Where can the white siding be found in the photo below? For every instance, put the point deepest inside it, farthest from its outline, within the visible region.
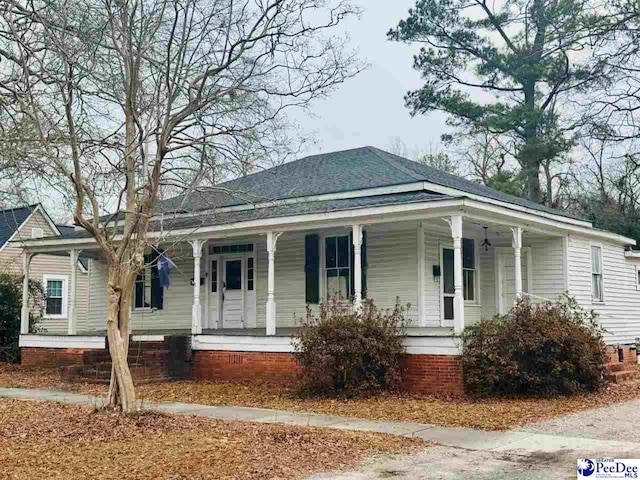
(11, 261)
(620, 312)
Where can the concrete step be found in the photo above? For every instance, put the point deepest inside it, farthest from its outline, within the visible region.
(616, 367)
(621, 376)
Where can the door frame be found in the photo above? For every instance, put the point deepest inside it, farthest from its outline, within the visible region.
(498, 265)
(243, 284)
(218, 323)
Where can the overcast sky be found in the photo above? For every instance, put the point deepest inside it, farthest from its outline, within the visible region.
(369, 109)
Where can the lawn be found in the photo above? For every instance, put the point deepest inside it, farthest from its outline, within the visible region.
(490, 414)
(51, 440)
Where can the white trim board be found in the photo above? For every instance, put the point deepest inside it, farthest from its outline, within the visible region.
(436, 345)
(63, 341)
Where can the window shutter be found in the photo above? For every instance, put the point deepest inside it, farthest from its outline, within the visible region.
(312, 267)
(157, 292)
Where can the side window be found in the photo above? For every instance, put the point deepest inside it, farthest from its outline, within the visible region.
(56, 296)
(214, 276)
(250, 273)
(468, 268)
(149, 292)
(597, 290)
(338, 266)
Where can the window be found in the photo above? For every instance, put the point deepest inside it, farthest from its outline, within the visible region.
(237, 248)
(214, 276)
(638, 277)
(149, 293)
(468, 269)
(56, 296)
(37, 232)
(597, 290)
(250, 273)
(448, 289)
(337, 266)
(233, 274)
(143, 288)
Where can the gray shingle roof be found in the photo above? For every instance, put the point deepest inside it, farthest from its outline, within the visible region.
(347, 170)
(11, 219)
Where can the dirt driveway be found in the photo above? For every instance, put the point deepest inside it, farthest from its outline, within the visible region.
(617, 423)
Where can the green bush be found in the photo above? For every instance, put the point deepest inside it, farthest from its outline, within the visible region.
(347, 353)
(553, 348)
(10, 308)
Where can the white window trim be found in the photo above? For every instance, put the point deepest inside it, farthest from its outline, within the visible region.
(637, 278)
(477, 287)
(65, 293)
(323, 263)
(133, 303)
(598, 245)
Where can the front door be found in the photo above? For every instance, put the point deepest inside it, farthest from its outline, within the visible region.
(232, 293)
(506, 280)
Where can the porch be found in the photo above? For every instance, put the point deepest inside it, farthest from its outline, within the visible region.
(450, 272)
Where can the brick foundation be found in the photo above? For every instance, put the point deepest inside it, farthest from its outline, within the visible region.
(243, 366)
(54, 357)
(427, 374)
(433, 374)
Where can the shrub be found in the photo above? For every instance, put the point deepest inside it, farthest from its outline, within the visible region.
(347, 353)
(551, 348)
(10, 307)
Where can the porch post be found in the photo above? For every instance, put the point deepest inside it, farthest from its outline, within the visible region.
(458, 299)
(24, 317)
(422, 276)
(357, 266)
(272, 239)
(71, 322)
(516, 243)
(196, 311)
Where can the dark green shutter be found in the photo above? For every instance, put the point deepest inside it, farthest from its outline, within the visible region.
(364, 264)
(157, 292)
(312, 267)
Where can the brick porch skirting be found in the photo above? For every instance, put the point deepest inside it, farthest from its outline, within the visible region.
(55, 357)
(427, 374)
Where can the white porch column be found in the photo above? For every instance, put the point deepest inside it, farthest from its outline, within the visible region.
(196, 310)
(422, 276)
(24, 316)
(458, 300)
(516, 243)
(71, 322)
(357, 266)
(272, 239)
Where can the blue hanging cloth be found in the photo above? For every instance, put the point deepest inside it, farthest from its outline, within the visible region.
(165, 265)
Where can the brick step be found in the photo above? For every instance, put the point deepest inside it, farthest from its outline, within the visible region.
(616, 367)
(621, 376)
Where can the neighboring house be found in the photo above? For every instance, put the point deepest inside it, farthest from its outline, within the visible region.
(253, 253)
(53, 271)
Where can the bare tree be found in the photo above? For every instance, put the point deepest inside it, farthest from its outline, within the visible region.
(127, 96)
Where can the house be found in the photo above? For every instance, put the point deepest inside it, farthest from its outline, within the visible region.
(251, 254)
(53, 271)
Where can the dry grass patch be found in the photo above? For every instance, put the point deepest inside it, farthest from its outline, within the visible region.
(51, 440)
(489, 414)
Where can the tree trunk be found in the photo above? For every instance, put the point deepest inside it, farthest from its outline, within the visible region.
(121, 390)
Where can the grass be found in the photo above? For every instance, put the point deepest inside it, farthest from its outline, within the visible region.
(55, 441)
(486, 414)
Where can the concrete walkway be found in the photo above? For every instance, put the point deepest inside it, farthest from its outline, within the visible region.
(522, 442)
